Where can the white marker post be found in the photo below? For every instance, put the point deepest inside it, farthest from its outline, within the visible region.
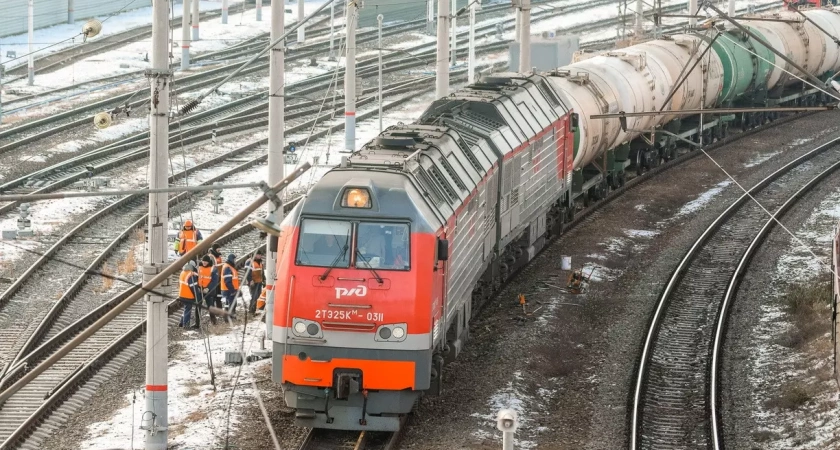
(442, 80)
(154, 419)
(332, 32)
(224, 12)
(276, 160)
(259, 10)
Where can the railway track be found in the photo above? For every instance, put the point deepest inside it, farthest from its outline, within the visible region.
(242, 49)
(23, 413)
(322, 439)
(675, 399)
(65, 121)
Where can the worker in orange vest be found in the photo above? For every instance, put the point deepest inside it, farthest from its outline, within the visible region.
(230, 281)
(256, 280)
(261, 301)
(188, 238)
(188, 293)
(216, 254)
(208, 281)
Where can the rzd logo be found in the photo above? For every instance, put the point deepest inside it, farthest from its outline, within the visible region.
(358, 291)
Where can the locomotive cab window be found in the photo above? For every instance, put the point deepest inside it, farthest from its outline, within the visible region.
(324, 243)
(382, 246)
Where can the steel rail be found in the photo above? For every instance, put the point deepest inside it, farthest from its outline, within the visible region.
(678, 274)
(68, 332)
(732, 290)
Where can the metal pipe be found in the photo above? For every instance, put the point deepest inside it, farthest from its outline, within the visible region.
(430, 17)
(350, 80)
(201, 248)
(332, 32)
(471, 57)
(155, 417)
(379, 95)
(692, 9)
(442, 80)
(525, 37)
(31, 63)
(258, 5)
(638, 28)
(276, 159)
(195, 16)
(517, 26)
(63, 195)
(454, 33)
(689, 112)
(302, 30)
(185, 36)
(224, 12)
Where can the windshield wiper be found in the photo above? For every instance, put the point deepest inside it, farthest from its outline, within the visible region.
(376, 275)
(337, 258)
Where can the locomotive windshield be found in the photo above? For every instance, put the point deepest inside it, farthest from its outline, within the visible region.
(327, 243)
(324, 243)
(382, 246)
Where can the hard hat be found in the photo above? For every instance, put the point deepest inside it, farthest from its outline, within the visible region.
(188, 223)
(189, 266)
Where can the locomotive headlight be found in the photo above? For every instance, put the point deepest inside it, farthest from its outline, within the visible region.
(306, 328)
(394, 332)
(300, 328)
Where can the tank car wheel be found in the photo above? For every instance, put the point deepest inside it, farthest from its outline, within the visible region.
(622, 179)
(570, 212)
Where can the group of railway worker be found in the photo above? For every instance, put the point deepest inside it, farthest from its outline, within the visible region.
(214, 280)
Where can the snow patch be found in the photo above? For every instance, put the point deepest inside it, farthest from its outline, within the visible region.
(760, 159)
(704, 198)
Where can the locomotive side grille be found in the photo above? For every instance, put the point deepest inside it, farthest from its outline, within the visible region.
(481, 120)
(469, 144)
(428, 186)
(548, 93)
(443, 184)
(448, 168)
(516, 177)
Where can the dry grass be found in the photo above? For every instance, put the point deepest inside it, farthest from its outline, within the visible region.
(107, 280)
(792, 395)
(129, 263)
(809, 310)
(195, 416)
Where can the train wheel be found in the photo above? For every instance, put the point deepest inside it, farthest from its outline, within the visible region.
(570, 212)
(622, 178)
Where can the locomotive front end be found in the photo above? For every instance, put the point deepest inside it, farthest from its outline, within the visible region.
(353, 317)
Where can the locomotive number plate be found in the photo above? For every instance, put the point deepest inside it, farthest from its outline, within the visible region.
(336, 314)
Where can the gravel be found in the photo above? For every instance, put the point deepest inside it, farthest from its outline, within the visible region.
(567, 366)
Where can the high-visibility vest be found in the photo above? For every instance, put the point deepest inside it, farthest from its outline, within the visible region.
(205, 276)
(218, 264)
(188, 240)
(231, 279)
(256, 272)
(187, 285)
(261, 300)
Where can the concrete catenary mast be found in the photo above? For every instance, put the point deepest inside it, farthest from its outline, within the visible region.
(442, 80)
(302, 29)
(185, 36)
(276, 126)
(31, 70)
(350, 79)
(525, 36)
(195, 16)
(155, 417)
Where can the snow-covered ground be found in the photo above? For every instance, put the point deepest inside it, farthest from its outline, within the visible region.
(58, 37)
(198, 411)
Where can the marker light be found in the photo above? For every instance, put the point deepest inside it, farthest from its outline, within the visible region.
(356, 198)
(300, 327)
(398, 332)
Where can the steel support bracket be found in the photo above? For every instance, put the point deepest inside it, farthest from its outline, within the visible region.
(157, 73)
